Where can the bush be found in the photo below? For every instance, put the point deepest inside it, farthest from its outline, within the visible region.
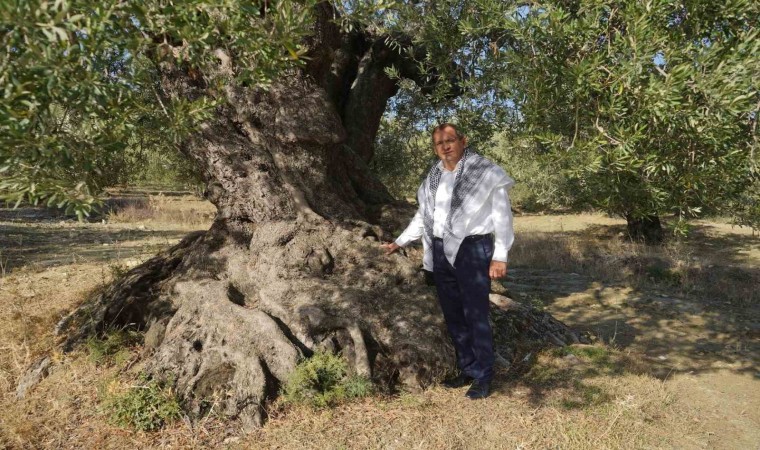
(745, 210)
(323, 380)
(146, 406)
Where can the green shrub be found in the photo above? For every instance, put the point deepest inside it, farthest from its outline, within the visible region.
(323, 380)
(356, 386)
(663, 275)
(601, 357)
(146, 406)
(113, 346)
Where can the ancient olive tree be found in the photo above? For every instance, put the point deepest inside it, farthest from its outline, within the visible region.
(278, 104)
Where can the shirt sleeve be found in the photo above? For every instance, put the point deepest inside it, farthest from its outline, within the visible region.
(413, 231)
(501, 215)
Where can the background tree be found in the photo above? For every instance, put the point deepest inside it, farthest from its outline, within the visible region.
(650, 106)
(645, 109)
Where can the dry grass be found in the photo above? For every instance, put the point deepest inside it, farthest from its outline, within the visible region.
(184, 211)
(589, 397)
(32, 310)
(728, 268)
(67, 410)
(635, 411)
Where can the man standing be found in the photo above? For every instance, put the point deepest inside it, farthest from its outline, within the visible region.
(465, 222)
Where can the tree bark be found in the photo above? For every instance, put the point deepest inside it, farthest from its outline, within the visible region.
(292, 261)
(647, 229)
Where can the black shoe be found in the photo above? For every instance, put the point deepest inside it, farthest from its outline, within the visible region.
(458, 381)
(478, 390)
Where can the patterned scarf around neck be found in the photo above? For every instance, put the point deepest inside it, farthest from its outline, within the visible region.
(475, 179)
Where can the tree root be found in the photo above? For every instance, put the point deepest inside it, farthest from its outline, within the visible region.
(229, 313)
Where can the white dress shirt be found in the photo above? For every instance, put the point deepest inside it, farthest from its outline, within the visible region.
(495, 216)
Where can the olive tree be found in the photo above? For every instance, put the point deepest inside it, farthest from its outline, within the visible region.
(650, 106)
(278, 105)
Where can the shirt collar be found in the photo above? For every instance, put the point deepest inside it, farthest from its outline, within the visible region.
(443, 169)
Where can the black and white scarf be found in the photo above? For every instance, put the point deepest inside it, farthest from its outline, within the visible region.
(475, 180)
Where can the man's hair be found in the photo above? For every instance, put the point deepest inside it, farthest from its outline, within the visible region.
(444, 125)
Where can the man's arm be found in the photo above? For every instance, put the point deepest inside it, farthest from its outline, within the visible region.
(501, 215)
(412, 233)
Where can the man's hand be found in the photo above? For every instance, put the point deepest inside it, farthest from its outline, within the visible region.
(498, 269)
(390, 248)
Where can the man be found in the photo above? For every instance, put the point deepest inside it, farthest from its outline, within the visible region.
(465, 221)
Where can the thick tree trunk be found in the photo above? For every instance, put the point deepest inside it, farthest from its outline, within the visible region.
(292, 262)
(647, 229)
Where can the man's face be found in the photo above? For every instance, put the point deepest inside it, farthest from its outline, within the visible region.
(448, 146)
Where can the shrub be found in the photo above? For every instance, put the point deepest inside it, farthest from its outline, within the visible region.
(323, 380)
(146, 406)
(745, 210)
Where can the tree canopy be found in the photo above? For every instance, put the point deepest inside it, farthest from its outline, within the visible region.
(652, 104)
(649, 107)
(80, 82)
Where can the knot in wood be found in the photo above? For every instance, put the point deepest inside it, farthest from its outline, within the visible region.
(320, 261)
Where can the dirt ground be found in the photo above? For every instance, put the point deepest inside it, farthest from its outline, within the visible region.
(674, 363)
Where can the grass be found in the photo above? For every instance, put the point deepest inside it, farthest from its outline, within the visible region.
(594, 396)
(323, 380)
(597, 355)
(113, 347)
(185, 211)
(682, 266)
(513, 417)
(146, 405)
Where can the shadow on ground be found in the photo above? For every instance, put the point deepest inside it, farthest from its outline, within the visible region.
(54, 245)
(683, 310)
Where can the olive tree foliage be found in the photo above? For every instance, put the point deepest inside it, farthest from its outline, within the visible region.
(403, 148)
(650, 105)
(462, 63)
(82, 98)
(80, 85)
(541, 182)
(647, 108)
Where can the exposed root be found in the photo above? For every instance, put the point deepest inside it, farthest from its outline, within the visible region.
(130, 300)
(229, 313)
(521, 330)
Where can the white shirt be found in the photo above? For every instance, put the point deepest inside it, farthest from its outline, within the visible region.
(495, 216)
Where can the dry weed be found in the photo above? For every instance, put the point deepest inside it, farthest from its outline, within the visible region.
(598, 398)
(180, 211)
(685, 267)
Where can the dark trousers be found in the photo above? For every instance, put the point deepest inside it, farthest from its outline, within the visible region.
(463, 294)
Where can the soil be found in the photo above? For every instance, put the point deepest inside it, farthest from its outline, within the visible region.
(705, 350)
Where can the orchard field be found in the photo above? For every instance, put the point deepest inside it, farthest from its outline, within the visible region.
(673, 360)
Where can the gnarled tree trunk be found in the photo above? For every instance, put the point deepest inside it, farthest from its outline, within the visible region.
(647, 229)
(292, 261)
